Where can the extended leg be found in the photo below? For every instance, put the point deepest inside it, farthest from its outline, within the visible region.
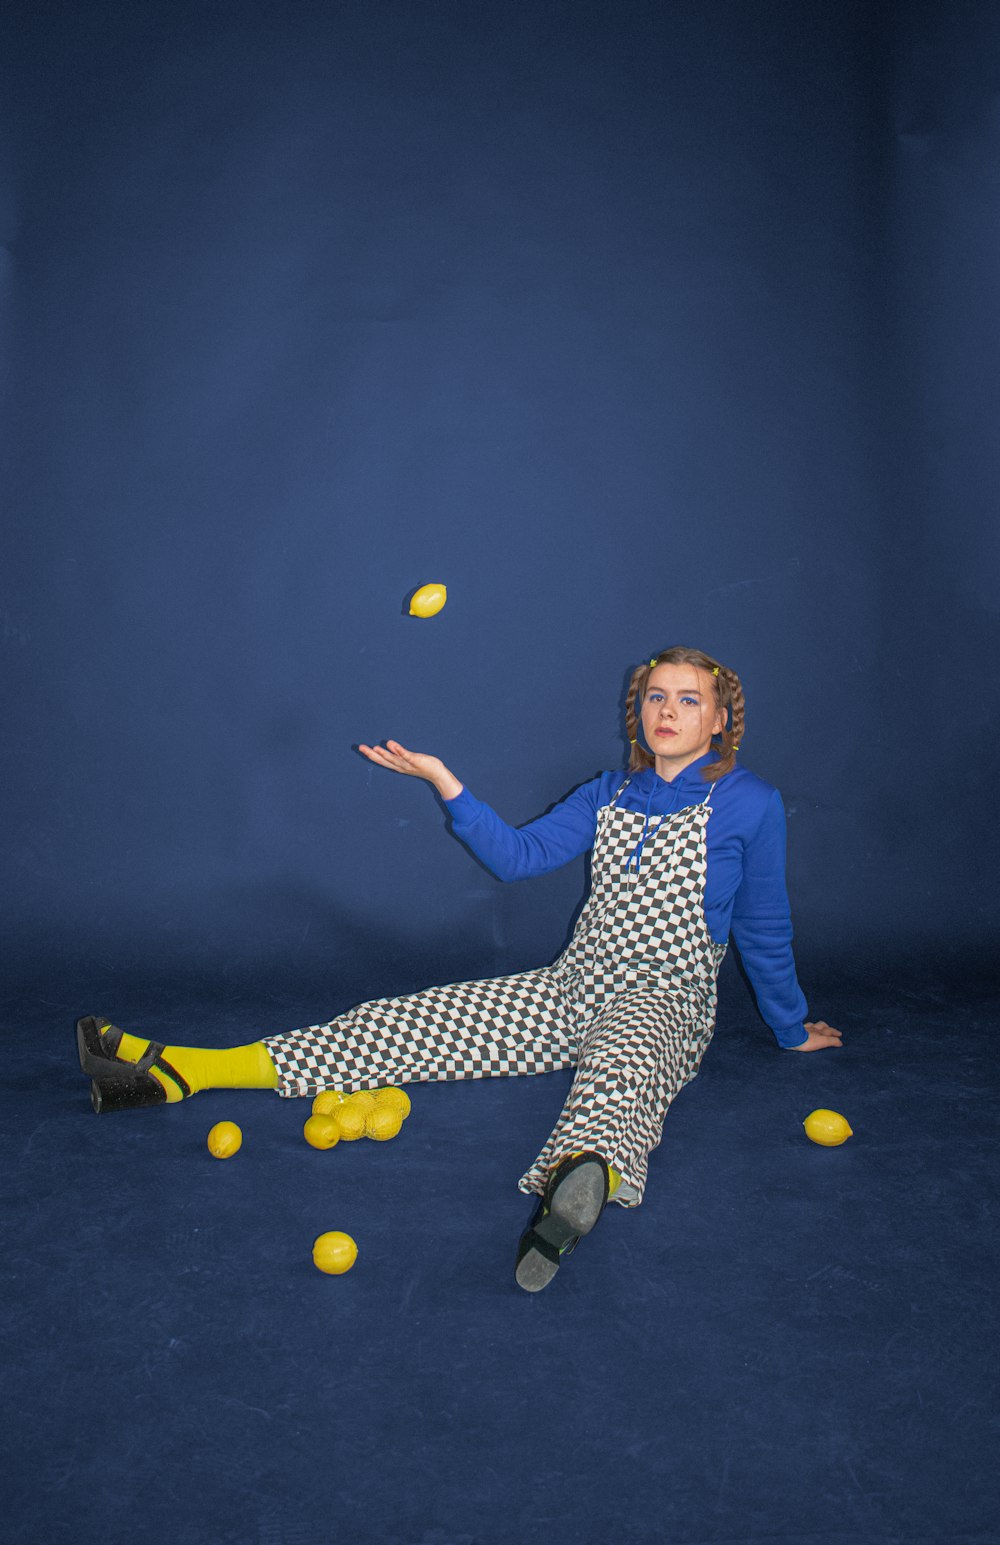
(480, 1029)
(497, 1026)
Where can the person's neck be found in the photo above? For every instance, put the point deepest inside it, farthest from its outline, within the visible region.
(669, 767)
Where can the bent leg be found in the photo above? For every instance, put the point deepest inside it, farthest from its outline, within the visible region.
(637, 1053)
(498, 1026)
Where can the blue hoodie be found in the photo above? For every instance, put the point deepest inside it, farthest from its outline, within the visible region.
(745, 892)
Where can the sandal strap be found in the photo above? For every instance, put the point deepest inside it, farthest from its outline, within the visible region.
(163, 1066)
(149, 1058)
(153, 1057)
(111, 1038)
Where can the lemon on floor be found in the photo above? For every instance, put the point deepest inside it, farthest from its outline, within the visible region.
(328, 1103)
(351, 1120)
(322, 1132)
(828, 1128)
(396, 1099)
(224, 1140)
(383, 1123)
(334, 1253)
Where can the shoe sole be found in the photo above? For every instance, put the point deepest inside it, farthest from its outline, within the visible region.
(535, 1271)
(574, 1207)
(576, 1204)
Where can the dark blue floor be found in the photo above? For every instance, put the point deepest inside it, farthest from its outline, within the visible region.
(783, 1344)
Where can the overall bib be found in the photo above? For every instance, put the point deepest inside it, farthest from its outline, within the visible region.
(630, 1004)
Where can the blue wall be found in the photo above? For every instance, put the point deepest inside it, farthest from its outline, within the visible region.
(635, 324)
(940, 471)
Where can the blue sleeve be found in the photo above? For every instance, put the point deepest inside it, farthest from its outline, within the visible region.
(516, 853)
(762, 928)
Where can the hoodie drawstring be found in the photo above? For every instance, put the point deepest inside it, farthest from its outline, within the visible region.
(636, 852)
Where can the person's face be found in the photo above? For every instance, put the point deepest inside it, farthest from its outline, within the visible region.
(679, 715)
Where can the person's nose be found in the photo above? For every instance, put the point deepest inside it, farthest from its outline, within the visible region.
(666, 709)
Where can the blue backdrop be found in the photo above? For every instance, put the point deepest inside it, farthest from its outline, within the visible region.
(636, 325)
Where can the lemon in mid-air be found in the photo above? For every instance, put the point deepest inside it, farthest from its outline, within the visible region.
(428, 600)
(334, 1253)
(224, 1140)
(827, 1128)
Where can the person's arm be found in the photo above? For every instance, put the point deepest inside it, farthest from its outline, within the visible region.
(512, 853)
(762, 930)
(518, 852)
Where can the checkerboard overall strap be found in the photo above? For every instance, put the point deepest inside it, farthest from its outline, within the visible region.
(613, 802)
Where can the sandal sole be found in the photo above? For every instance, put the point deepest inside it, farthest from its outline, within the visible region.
(574, 1205)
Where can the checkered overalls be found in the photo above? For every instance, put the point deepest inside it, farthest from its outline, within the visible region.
(630, 1003)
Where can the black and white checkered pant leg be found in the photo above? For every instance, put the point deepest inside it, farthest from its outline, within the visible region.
(683, 1042)
(635, 1055)
(481, 1029)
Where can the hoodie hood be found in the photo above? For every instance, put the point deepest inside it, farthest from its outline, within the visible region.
(649, 782)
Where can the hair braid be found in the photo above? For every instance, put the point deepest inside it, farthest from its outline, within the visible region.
(639, 757)
(730, 695)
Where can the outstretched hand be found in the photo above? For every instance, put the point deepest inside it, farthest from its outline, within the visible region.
(819, 1035)
(415, 764)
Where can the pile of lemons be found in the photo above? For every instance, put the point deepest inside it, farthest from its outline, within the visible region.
(374, 1113)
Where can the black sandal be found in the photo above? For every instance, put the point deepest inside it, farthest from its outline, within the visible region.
(116, 1084)
(573, 1200)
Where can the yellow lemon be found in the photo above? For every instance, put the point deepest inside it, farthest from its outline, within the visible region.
(351, 1121)
(364, 1101)
(224, 1140)
(428, 600)
(334, 1253)
(328, 1103)
(382, 1123)
(322, 1131)
(827, 1128)
(395, 1099)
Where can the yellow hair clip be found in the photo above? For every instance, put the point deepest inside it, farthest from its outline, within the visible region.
(654, 659)
(715, 670)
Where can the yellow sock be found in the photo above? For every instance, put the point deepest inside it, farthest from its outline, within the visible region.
(242, 1067)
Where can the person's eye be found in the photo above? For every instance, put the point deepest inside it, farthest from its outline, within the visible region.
(693, 700)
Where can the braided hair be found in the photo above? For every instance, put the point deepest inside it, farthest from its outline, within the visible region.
(728, 699)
